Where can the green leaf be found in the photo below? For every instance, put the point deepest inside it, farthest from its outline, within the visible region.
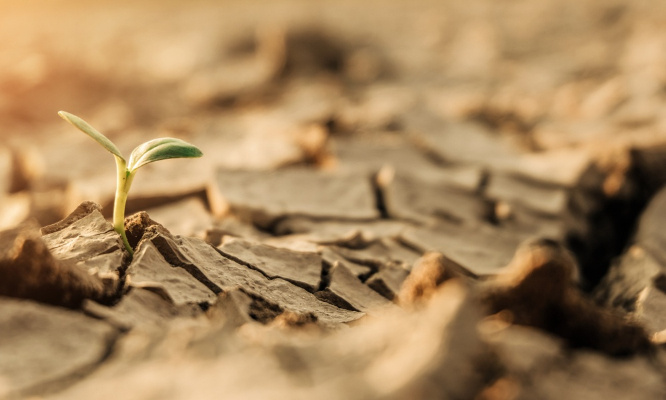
(161, 149)
(92, 132)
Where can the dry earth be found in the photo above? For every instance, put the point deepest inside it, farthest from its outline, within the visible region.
(398, 200)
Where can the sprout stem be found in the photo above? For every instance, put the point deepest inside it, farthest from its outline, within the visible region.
(151, 151)
(123, 184)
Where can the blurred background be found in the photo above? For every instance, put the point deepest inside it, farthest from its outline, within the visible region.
(464, 127)
(260, 85)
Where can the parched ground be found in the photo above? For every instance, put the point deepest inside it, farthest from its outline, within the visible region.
(397, 200)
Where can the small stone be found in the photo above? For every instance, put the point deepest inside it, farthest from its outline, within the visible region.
(428, 272)
(136, 226)
(300, 268)
(43, 345)
(347, 291)
(150, 270)
(539, 275)
(264, 198)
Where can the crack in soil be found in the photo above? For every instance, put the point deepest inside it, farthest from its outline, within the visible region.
(250, 266)
(170, 255)
(611, 229)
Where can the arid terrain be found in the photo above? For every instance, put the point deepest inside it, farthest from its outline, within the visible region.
(397, 200)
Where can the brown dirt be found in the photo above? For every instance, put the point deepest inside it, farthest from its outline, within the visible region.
(429, 199)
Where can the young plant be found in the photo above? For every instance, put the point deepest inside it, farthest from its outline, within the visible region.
(151, 151)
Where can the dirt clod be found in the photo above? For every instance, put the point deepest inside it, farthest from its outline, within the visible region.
(136, 226)
(537, 289)
(428, 273)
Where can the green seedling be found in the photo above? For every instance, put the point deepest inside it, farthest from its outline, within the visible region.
(151, 151)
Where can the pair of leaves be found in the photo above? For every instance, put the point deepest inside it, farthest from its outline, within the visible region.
(151, 151)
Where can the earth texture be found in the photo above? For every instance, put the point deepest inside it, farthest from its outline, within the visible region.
(397, 200)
